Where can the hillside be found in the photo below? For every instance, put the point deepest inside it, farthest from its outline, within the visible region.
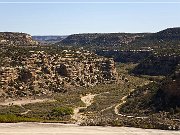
(157, 65)
(17, 39)
(31, 72)
(128, 47)
(168, 34)
(166, 38)
(158, 100)
(169, 93)
(101, 39)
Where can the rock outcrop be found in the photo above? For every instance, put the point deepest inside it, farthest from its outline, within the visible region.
(17, 39)
(43, 73)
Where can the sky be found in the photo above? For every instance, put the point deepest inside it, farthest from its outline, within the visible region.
(39, 17)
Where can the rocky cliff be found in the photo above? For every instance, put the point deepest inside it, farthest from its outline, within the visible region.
(20, 39)
(39, 72)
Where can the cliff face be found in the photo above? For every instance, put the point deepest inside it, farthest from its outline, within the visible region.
(42, 73)
(17, 39)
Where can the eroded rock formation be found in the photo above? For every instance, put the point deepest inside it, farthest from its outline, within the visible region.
(43, 73)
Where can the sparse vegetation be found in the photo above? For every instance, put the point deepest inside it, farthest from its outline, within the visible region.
(145, 94)
(11, 118)
(61, 111)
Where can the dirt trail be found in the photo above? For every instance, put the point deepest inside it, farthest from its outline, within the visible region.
(123, 101)
(87, 100)
(25, 101)
(120, 104)
(107, 108)
(26, 112)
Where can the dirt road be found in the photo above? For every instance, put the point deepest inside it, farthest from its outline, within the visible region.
(25, 101)
(63, 129)
(87, 100)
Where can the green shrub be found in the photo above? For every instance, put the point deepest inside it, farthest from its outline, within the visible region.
(62, 111)
(11, 118)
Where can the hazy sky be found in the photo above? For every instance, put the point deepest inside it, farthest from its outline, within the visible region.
(70, 18)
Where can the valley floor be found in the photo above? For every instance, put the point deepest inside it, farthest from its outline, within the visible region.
(68, 129)
(95, 106)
